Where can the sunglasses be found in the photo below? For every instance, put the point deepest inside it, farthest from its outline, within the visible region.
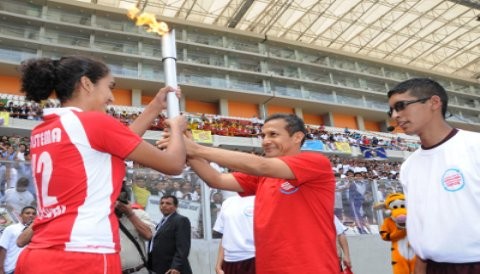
(401, 105)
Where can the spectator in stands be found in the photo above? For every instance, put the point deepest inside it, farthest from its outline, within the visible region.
(216, 205)
(161, 188)
(356, 192)
(236, 251)
(285, 180)
(177, 190)
(10, 154)
(188, 193)
(442, 175)
(17, 198)
(140, 190)
(81, 150)
(8, 176)
(345, 187)
(21, 154)
(9, 251)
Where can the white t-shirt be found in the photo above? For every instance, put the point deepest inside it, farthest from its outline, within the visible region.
(8, 241)
(339, 227)
(235, 222)
(442, 188)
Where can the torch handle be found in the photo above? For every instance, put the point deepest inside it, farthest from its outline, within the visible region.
(169, 59)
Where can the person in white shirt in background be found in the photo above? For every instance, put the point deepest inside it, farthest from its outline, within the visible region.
(17, 198)
(236, 251)
(9, 250)
(342, 245)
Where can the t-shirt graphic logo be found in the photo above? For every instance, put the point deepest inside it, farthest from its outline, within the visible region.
(248, 211)
(452, 180)
(287, 188)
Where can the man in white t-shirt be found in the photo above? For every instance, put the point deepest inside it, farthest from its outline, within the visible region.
(9, 250)
(236, 252)
(440, 180)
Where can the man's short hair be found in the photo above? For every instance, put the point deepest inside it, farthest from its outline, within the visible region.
(175, 200)
(27, 207)
(422, 88)
(23, 181)
(294, 123)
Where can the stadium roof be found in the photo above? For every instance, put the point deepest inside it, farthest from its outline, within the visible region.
(436, 35)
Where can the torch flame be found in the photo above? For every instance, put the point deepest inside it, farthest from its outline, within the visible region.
(148, 20)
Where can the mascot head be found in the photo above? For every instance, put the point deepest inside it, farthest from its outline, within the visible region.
(395, 207)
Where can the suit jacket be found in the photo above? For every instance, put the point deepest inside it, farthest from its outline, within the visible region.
(171, 246)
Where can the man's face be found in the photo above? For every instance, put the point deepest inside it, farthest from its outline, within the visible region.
(21, 187)
(167, 206)
(28, 215)
(277, 141)
(414, 117)
(161, 186)
(187, 187)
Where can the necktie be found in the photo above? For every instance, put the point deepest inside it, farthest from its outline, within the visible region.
(150, 243)
(163, 221)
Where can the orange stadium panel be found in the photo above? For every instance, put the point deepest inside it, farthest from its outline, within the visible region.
(372, 126)
(343, 120)
(123, 97)
(239, 109)
(146, 100)
(10, 85)
(312, 119)
(201, 107)
(279, 109)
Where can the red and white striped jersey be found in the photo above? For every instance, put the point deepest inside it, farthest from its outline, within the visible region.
(78, 166)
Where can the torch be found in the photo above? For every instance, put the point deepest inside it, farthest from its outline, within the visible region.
(169, 59)
(169, 51)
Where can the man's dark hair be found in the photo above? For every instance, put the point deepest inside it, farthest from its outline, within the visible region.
(294, 123)
(27, 207)
(23, 181)
(175, 200)
(422, 88)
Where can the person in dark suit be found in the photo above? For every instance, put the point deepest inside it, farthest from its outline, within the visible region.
(170, 245)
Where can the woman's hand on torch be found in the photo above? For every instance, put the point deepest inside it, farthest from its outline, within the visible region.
(161, 97)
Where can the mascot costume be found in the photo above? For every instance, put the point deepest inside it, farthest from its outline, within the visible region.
(393, 230)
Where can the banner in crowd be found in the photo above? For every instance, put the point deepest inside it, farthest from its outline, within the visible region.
(343, 147)
(4, 118)
(153, 208)
(192, 211)
(313, 145)
(373, 152)
(202, 136)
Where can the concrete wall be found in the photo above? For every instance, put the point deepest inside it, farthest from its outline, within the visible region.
(370, 255)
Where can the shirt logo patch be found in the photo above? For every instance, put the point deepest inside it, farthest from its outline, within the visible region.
(452, 180)
(248, 211)
(287, 188)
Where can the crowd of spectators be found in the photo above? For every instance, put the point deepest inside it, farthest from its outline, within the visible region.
(360, 182)
(227, 126)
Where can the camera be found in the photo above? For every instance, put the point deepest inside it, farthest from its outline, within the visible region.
(124, 195)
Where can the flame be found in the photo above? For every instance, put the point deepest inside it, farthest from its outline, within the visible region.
(148, 20)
